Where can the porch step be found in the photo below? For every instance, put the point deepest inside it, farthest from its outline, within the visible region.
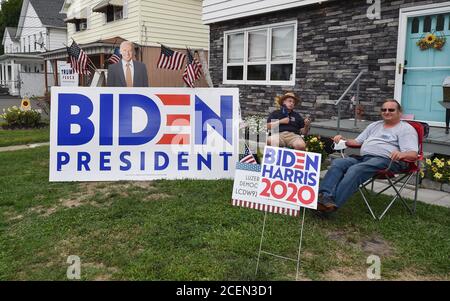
(4, 91)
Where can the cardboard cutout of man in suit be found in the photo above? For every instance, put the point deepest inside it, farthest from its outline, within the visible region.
(127, 72)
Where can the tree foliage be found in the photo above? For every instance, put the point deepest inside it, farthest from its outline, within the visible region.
(9, 16)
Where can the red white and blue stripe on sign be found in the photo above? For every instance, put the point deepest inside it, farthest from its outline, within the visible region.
(266, 208)
(178, 126)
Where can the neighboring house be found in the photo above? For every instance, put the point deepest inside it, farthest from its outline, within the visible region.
(40, 28)
(10, 43)
(99, 25)
(8, 69)
(317, 48)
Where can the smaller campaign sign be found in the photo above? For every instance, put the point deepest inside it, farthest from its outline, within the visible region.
(290, 177)
(245, 192)
(67, 77)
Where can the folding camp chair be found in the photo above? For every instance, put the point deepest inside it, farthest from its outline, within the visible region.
(403, 177)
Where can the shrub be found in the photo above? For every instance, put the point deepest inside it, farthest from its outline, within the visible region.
(255, 125)
(315, 144)
(437, 169)
(16, 118)
(42, 102)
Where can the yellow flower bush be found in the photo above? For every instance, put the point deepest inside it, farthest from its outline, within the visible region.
(16, 118)
(438, 176)
(314, 144)
(437, 170)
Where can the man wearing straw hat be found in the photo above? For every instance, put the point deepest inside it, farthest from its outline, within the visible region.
(286, 125)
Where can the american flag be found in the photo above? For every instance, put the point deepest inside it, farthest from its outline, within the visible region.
(169, 59)
(193, 70)
(248, 157)
(115, 57)
(78, 59)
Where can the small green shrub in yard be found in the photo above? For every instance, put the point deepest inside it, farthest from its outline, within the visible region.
(16, 118)
(42, 102)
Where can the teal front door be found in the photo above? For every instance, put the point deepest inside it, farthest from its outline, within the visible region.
(425, 70)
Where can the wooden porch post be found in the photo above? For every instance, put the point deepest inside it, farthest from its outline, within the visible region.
(45, 74)
(55, 71)
(102, 60)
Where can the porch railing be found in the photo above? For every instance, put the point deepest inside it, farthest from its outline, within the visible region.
(356, 82)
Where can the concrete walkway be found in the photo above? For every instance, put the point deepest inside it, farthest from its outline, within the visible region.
(19, 147)
(429, 196)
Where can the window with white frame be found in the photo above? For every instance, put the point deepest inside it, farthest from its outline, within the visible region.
(41, 40)
(80, 25)
(114, 13)
(261, 55)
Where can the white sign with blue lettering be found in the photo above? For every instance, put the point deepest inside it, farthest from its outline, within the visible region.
(245, 192)
(67, 77)
(110, 134)
(290, 176)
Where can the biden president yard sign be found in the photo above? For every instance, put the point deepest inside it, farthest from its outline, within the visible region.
(110, 134)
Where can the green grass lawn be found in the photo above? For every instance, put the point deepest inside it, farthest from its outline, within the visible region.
(188, 230)
(18, 137)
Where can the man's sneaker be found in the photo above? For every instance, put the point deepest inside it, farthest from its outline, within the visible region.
(326, 204)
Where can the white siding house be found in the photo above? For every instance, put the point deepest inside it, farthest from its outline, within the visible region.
(11, 44)
(99, 25)
(40, 29)
(176, 23)
(223, 10)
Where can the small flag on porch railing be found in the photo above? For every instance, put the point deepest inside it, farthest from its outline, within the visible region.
(170, 59)
(193, 70)
(247, 157)
(78, 59)
(115, 57)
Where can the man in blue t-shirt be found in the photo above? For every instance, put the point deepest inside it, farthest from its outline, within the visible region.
(286, 125)
(381, 142)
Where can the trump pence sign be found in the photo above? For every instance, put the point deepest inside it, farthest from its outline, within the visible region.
(109, 134)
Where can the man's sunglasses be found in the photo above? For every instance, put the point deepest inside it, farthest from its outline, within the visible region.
(390, 110)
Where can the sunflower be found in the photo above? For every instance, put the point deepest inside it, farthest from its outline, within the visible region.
(430, 38)
(25, 105)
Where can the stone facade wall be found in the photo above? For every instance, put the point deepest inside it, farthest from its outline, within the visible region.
(335, 41)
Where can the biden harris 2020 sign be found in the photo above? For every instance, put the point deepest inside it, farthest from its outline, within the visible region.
(109, 134)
